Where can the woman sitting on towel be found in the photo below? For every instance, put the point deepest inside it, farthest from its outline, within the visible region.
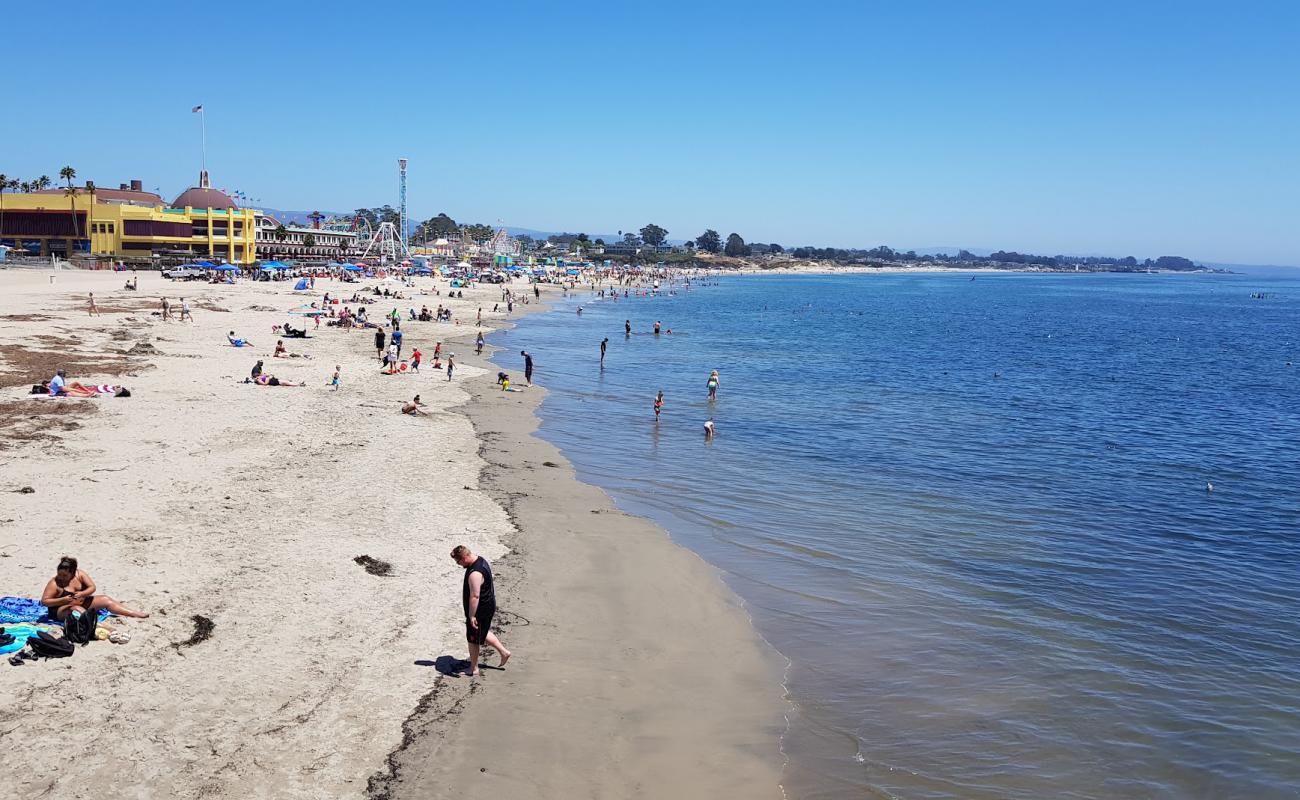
(72, 591)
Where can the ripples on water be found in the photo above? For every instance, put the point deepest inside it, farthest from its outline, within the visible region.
(973, 514)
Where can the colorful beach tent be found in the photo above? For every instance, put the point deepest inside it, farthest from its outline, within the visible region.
(301, 284)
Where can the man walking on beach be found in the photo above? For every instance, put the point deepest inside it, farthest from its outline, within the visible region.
(94, 311)
(478, 595)
(379, 343)
(528, 366)
(166, 310)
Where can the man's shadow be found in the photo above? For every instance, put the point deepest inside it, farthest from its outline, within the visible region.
(446, 665)
(450, 665)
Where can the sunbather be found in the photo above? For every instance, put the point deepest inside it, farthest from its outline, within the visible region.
(72, 590)
(271, 380)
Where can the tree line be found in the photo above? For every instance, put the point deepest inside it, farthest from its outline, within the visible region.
(888, 254)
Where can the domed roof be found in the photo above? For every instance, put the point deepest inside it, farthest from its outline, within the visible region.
(204, 196)
(201, 197)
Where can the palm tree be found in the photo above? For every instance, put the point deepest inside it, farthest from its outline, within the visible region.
(6, 182)
(67, 174)
(42, 182)
(279, 233)
(343, 248)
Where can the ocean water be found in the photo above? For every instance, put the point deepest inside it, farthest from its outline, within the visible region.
(974, 516)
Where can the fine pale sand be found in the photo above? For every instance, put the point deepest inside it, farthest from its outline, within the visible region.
(635, 672)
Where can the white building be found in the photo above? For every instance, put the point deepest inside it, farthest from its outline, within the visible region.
(304, 243)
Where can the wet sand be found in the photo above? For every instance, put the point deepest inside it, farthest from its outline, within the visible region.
(635, 672)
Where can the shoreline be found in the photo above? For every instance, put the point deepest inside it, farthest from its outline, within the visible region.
(657, 717)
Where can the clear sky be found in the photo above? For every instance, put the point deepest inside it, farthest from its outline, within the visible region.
(1118, 128)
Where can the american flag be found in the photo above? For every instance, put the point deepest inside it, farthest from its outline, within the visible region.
(196, 109)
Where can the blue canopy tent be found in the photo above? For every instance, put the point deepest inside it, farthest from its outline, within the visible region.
(207, 264)
(275, 265)
(221, 267)
(353, 268)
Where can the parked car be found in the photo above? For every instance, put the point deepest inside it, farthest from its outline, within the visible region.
(184, 273)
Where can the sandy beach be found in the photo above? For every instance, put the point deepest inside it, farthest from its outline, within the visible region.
(636, 671)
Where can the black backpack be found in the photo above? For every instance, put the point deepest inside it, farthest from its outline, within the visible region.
(80, 628)
(45, 645)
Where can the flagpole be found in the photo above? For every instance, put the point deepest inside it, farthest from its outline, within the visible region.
(203, 127)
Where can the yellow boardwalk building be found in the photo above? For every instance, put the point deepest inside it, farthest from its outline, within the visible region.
(130, 224)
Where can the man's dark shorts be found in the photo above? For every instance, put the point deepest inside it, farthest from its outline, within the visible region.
(484, 616)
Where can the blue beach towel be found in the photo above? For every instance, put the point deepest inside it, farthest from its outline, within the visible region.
(24, 617)
(23, 631)
(22, 609)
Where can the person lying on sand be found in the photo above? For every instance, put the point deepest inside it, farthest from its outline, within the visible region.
(237, 341)
(75, 389)
(414, 407)
(72, 591)
(270, 380)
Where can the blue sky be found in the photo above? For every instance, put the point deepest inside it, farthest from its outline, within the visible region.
(1121, 128)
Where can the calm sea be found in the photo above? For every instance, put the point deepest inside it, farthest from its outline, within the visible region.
(974, 515)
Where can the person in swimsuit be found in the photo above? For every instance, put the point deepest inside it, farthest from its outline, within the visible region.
(451, 364)
(604, 344)
(94, 312)
(237, 341)
(415, 407)
(528, 366)
(72, 591)
(659, 404)
(335, 381)
(713, 385)
(280, 351)
(478, 596)
(478, 343)
(415, 360)
(271, 380)
(627, 327)
(257, 371)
